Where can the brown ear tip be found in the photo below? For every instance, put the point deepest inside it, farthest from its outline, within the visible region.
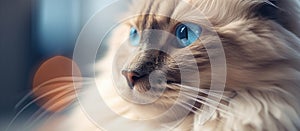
(58, 72)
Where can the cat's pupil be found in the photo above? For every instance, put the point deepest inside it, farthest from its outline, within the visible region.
(133, 31)
(183, 33)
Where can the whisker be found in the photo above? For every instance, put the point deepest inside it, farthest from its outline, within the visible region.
(220, 97)
(25, 107)
(42, 112)
(190, 107)
(223, 106)
(36, 99)
(202, 111)
(185, 105)
(69, 87)
(29, 122)
(54, 80)
(197, 89)
(205, 103)
(213, 93)
(61, 80)
(38, 115)
(209, 100)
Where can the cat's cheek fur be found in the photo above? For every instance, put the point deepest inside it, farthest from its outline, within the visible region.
(271, 93)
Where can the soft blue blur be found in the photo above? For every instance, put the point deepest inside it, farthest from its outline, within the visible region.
(58, 23)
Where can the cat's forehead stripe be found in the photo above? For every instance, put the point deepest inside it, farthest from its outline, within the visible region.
(151, 18)
(146, 18)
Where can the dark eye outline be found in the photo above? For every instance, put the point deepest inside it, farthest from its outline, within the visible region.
(134, 37)
(187, 33)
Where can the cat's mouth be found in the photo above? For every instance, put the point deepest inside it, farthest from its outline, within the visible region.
(155, 81)
(147, 83)
(140, 84)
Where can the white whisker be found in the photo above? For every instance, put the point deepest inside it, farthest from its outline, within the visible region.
(54, 80)
(208, 104)
(223, 106)
(185, 105)
(214, 93)
(209, 100)
(44, 95)
(190, 107)
(37, 116)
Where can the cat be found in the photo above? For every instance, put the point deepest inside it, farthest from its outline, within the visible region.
(169, 38)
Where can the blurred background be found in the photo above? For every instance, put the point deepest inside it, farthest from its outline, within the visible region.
(32, 31)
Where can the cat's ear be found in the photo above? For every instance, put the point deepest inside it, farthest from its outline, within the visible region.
(284, 12)
(54, 83)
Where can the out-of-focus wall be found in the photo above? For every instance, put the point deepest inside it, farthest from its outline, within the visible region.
(15, 54)
(30, 32)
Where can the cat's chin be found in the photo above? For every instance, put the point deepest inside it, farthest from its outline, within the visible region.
(132, 104)
(136, 97)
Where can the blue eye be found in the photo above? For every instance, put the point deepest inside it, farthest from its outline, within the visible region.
(187, 33)
(134, 37)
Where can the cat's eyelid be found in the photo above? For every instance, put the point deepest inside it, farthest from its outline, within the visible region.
(130, 25)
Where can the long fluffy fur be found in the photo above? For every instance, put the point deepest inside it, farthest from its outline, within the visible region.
(262, 57)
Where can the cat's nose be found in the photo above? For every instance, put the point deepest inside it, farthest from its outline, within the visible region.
(131, 77)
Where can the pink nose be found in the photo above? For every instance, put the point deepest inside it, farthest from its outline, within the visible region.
(131, 77)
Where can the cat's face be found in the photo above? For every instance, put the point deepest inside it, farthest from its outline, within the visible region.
(161, 54)
(168, 42)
